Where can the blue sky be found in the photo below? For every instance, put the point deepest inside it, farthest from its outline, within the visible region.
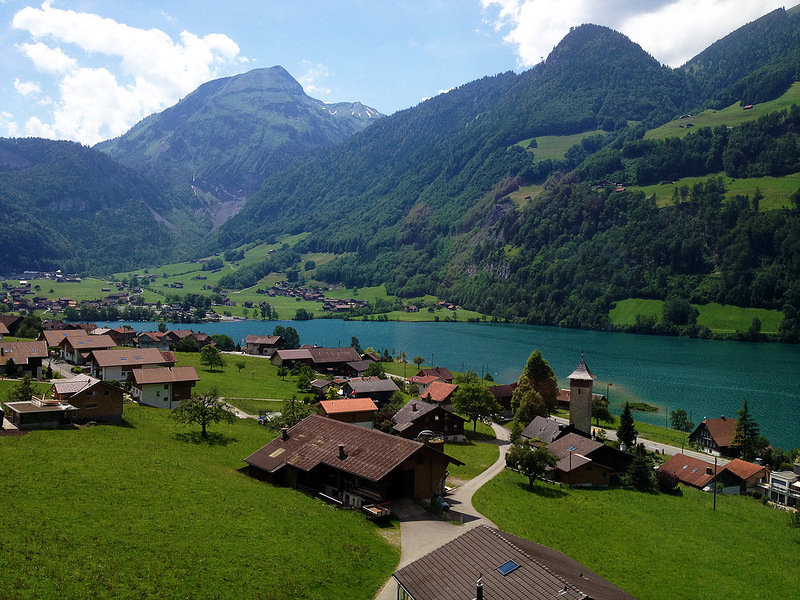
(88, 70)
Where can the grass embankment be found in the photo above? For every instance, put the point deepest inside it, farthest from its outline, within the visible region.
(147, 510)
(719, 318)
(654, 546)
(478, 453)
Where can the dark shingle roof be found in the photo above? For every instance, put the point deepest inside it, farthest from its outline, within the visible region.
(262, 339)
(722, 430)
(334, 355)
(372, 385)
(582, 372)
(542, 428)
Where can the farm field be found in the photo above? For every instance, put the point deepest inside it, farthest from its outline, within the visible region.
(555, 146)
(641, 541)
(96, 508)
(731, 116)
(717, 317)
(777, 191)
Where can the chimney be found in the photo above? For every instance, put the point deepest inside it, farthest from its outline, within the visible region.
(284, 433)
(709, 471)
(342, 454)
(414, 407)
(479, 588)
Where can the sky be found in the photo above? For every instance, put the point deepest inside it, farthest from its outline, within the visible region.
(88, 70)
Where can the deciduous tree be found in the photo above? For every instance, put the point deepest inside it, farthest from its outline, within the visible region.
(679, 419)
(203, 409)
(211, 357)
(476, 402)
(531, 462)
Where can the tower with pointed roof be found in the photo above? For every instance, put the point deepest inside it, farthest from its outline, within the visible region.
(580, 398)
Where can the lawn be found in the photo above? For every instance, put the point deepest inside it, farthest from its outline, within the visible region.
(147, 510)
(478, 453)
(654, 546)
(720, 318)
(258, 379)
(39, 387)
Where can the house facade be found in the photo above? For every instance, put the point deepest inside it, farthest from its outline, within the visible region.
(716, 436)
(418, 416)
(93, 399)
(162, 387)
(783, 487)
(263, 345)
(27, 356)
(76, 349)
(115, 365)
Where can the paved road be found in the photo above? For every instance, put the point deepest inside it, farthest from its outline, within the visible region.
(421, 532)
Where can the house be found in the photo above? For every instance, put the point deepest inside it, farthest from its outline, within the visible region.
(546, 430)
(380, 390)
(439, 372)
(123, 336)
(358, 411)
(77, 348)
(484, 562)
(689, 470)
(422, 381)
(53, 337)
(357, 368)
(784, 487)
(587, 462)
(40, 413)
(3, 331)
(417, 416)
(93, 399)
(263, 345)
(440, 391)
(350, 465)
(152, 339)
(320, 387)
(741, 477)
(503, 395)
(289, 357)
(11, 322)
(27, 357)
(162, 387)
(114, 365)
(333, 360)
(716, 436)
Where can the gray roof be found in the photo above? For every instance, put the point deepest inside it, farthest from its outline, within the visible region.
(544, 429)
(75, 384)
(582, 372)
(369, 386)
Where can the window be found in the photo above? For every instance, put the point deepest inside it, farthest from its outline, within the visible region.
(106, 393)
(91, 406)
(507, 568)
(90, 393)
(166, 386)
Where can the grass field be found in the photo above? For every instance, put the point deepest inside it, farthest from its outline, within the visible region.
(776, 190)
(478, 453)
(719, 318)
(6, 385)
(147, 510)
(555, 146)
(654, 546)
(259, 378)
(731, 116)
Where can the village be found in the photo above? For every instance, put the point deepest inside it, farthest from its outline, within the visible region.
(369, 440)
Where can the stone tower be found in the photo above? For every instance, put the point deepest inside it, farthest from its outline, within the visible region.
(580, 398)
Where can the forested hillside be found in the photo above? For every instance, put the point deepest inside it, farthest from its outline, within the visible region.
(70, 207)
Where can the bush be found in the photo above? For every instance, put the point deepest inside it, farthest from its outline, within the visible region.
(666, 482)
(77, 370)
(757, 495)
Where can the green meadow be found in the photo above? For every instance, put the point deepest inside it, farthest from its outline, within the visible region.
(150, 510)
(555, 146)
(654, 546)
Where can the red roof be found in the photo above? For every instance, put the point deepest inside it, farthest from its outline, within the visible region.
(131, 357)
(722, 430)
(690, 470)
(22, 352)
(745, 470)
(164, 375)
(439, 391)
(347, 405)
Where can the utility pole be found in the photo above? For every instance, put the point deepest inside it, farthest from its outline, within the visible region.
(715, 483)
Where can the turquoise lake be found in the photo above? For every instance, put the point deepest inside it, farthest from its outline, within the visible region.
(706, 378)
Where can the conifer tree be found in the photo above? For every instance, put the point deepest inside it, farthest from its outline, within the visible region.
(626, 433)
(747, 432)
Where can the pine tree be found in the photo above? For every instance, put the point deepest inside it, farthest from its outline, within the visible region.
(626, 433)
(747, 432)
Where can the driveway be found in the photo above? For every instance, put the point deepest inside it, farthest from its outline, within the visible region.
(421, 532)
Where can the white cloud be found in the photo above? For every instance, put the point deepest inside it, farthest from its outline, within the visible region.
(26, 88)
(671, 30)
(146, 71)
(8, 125)
(312, 79)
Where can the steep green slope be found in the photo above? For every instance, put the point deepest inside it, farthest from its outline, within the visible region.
(70, 207)
(224, 138)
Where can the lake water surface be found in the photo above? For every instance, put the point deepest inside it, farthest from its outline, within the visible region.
(707, 378)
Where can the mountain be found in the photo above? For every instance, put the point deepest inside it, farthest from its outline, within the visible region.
(226, 137)
(71, 207)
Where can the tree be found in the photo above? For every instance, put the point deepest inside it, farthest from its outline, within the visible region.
(22, 391)
(283, 372)
(48, 374)
(375, 369)
(679, 419)
(538, 376)
(211, 357)
(291, 339)
(11, 368)
(304, 380)
(466, 377)
(292, 413)
(240, 364)
(600, 411)
(356, 344)
(627, 433)
(224, 342)
(188, 344)
(203, 409)
(331, 393)
(162, 327)
(30, 327)
(531, 462)
(747, 433)
(529, 406)
(640, 473)
(476, 402)
(419, 361)
(301, 314)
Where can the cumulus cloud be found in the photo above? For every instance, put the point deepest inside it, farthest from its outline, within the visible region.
(26, 88)
(671, 30)
(8, 125)
(150, 70)
(313, 79)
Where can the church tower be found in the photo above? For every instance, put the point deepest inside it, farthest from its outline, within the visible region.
(580, 398)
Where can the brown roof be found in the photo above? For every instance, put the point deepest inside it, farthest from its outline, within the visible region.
(294, 354)
(451, 571)
(164, 375)
(262, 339)
(439, 391)
(575, 443)
(424, 379)
(722, 430)
(54, 336)
(87, 342)
(414, 409)
(3, 329)
(582, 372)
(129, 356)
(440, 372)
(153, 335)
(503, 391)
(347, 405)
(743, 469)
(690, 470)
(334, 355)
(21, 352)
(368, 385)
(315, 440)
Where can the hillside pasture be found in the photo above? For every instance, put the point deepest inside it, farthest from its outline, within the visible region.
(555, 147)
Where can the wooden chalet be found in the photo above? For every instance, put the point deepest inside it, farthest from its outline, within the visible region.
(263, 345)
(76, 349)
(380, 390)
(162, 387)
(587, 462)
(741, 477)
(350, 465)
(716, 436)
(11, 322)
(358, 411)
(439, 372)
(115, 365)
(152, 339)
(93, 399)
(440, 392)
(484, 562)
(689, 470)
(123, 336)
(3, 331)
(27, 356)
(418, 416)
(503, 394)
